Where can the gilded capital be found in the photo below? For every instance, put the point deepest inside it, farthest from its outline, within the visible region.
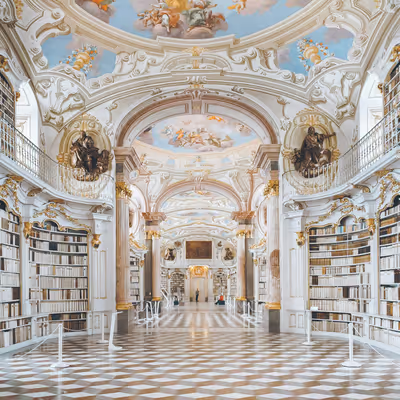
(301, 239)
(153, 235)
(122, 190)
(272, 188)
(243, 233)
(27, 229)
(96, 240)
(371, 226)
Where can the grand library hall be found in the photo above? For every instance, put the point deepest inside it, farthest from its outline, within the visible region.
(200, 199)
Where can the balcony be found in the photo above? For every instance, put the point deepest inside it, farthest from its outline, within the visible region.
(27, 160)
(373, 151)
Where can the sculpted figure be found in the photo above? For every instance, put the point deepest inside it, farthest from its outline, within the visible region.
(312, 154)
(85, 155)
(170, 256)
(228, 254)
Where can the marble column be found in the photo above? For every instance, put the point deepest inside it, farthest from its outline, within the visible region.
(141, 281)
(152, 222)
(256, 279)
(241, 265)
(267, 159)
(228, 280)
(169, 282)
(210, 286)
(122, 246)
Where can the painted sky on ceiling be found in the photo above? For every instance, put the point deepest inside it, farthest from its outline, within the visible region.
(197, 133)
(232, 17)
(80, 54)
(298, 57)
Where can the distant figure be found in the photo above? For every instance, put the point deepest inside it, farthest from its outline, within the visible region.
(220, 301)
(197, 295)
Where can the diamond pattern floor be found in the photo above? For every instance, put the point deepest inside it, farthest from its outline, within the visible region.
(196, 362)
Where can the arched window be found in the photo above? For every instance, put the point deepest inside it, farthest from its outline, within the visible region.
(7, 100)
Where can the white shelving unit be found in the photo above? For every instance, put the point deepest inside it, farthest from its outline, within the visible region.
(339, 274)
(59, 275)
(134, 281)
(262, 279)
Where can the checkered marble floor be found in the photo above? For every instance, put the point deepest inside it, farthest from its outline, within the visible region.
(198, 363)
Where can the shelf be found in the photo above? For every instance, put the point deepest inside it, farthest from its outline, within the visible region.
(5, 230)
(58, 252)
(330, 258)
(345, 265)
(340, 242)
(58, 232)
(58, 241)
(58, 265)
(340, 234)
(63, 312)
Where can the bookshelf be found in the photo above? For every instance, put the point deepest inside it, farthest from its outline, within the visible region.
(339, 274)
(134, 279)
(233, 283)
(7, 100)
(178, 284)
(386, 327)
(220, 283)
(391, 101)
(58, 259)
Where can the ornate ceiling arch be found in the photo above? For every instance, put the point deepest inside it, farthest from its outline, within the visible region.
(202, 102)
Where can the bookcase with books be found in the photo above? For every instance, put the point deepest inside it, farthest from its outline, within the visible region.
(386, 327)
(391, 104)
(339, 274)
(58, 259)
(134, 279)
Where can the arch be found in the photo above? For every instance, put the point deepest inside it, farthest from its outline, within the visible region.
(211, 186)
(148, 113)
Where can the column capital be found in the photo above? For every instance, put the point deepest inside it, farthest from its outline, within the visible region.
(272, 188)
(122, 190)
(154, 216)
(267, 159)
(127, 161)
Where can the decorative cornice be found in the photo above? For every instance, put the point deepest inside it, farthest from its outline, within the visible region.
(363, 188)
(154, 216)
(10, 189)
(271, 189)
(259, 245)
(53, 210)
(135, 244)
(344, 206)
(122, 190)
(243, 215)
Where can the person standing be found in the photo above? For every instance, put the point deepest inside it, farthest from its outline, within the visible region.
(197, 295)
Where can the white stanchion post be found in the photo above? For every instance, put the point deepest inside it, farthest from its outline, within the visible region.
(111, 338)
(350, 363)
(309, 328)
(60, 363)
(102, 340)
(147, 312)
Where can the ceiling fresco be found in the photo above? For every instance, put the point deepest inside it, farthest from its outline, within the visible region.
(197, 134)
(302, 55)
(192, 19)
(79, 54)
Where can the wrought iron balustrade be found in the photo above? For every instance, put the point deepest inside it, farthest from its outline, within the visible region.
(381, 139)
(71, 181)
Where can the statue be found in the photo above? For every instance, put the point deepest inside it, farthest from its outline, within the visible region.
(228, 254)
(312, 154)
(85, 155)
(169, 256)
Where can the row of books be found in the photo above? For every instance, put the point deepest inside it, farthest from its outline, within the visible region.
(385, 323)
(58, 237)
(339, 229)
(331, 316)
(339, 246)
(390, 293)
(337, 305)
(46, 258)
(134, 292)
(337, 270)
(9, 279)
(390, 250)
(8, 310)
(340, 261)
(9, 251)
(61, 247)
(134, 279)
(390, 276)
(9, 226)
(58, 270)
(348, 252)
(14, 336)
(135, 298)
(346, 292)
(389, 231)
(342, 238)
(388, 240)
(67, 306)
(70, 325)
(387, 337)
(9, 216)
(391, 262)
(9, 294)
(61, 283)
(390, 211)
(65, 294)
(8, 238)
(346, 280)
(389, 309)
(9, 265)
(62, 317)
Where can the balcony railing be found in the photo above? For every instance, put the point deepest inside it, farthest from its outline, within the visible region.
(64, 179)
(380, 140)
